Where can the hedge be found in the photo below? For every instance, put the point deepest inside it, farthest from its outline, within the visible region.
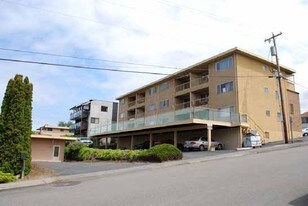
(157, 153)
(6, 177)
(160, 153)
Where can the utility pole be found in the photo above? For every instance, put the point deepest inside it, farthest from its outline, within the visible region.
(279, 77)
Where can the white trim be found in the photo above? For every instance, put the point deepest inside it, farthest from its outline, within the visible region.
(53, 152)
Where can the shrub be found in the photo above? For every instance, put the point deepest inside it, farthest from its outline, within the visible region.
(6, 177)
(72, 150)
(86, 153)
(160, 153)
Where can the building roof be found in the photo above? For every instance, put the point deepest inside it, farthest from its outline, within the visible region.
(88, 102)
(53, 127)
(305, 114)
(209, 60)
(38, 136)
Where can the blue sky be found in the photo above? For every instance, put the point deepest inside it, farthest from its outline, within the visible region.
(161, 32)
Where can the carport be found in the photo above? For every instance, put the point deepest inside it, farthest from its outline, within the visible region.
(230, 134)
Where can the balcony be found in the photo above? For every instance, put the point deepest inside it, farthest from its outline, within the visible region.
(79, 126)
(177, 116)
(132, 103)
(182, 105)
(201, 102)
(79, 114)
(140, 100)
(182, 87)
(200, 81)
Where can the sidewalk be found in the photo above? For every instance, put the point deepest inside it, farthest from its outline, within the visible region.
(31, 183)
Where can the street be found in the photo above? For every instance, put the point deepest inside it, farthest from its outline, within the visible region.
(272, 178)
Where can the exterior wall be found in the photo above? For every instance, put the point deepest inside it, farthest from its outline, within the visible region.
(56, 132)
(254, 101)
(216, 78)
(293, 98)
(231, 138)
(42, 149)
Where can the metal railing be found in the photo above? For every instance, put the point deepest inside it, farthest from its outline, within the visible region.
(132, 103)
(169, 117)
(79, 114)
(199, 81)
(200, 102)
(140, 100)
(181, 87)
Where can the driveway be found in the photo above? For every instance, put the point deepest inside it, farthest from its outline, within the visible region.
(72, 168)
(198, 154)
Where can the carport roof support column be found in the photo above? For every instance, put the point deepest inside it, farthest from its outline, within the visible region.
(209, 136)
(151, 140)
(175, 138)
(132, 142)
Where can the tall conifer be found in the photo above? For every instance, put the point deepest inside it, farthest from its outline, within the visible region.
(15, 125)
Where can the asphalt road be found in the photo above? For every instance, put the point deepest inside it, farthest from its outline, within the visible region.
(272, 178)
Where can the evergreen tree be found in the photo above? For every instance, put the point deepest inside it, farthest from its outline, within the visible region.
(16, 125)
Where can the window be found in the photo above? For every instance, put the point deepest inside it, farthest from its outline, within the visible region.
(122, 114)
(152, 90)
(265, 89)
(277, 95)
(152, 107)
(104, 109)
(264, 67)
(279, 118)
(226, 87)
(164, 104)
(94, 120)
(122, 101)
(291, 109)
(268, 113)
(224, 64)
(61, 130)
(49, 129)
(164, 86)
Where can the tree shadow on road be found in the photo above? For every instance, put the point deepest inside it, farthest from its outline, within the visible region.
(301, 201)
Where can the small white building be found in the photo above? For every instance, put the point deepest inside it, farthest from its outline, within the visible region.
(91, 115)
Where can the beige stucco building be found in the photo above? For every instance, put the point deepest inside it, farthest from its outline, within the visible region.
(49, 143)
(224, 97)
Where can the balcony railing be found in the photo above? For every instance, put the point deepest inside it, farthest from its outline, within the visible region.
(201, 101)
(182, 105)
(132, 103)
(199, 81)
(79, 114)
(140, 114)
(76, 126)
(181, 87)
(140, 100)
(169, 117)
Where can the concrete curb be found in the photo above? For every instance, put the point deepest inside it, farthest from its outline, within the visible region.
(46, 181)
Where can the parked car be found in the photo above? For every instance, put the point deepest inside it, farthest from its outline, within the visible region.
(305, 132)
(201, 143)
(252, 140)
(85, 140)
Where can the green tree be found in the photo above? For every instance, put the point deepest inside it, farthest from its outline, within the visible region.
(16, 125)
(65, 124)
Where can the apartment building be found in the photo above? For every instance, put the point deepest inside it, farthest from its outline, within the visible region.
(92, 114)
(223, 97)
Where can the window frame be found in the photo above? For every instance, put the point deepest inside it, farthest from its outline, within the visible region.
(224, 61)
(220, 89)
(93, 120)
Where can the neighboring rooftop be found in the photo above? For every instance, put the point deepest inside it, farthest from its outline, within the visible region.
(53, 127)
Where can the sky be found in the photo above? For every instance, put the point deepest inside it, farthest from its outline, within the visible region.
(165, 33)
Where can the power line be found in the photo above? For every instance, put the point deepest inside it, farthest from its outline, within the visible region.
(86, 58)
(79, 66)
(201, 44)
(113, 70)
